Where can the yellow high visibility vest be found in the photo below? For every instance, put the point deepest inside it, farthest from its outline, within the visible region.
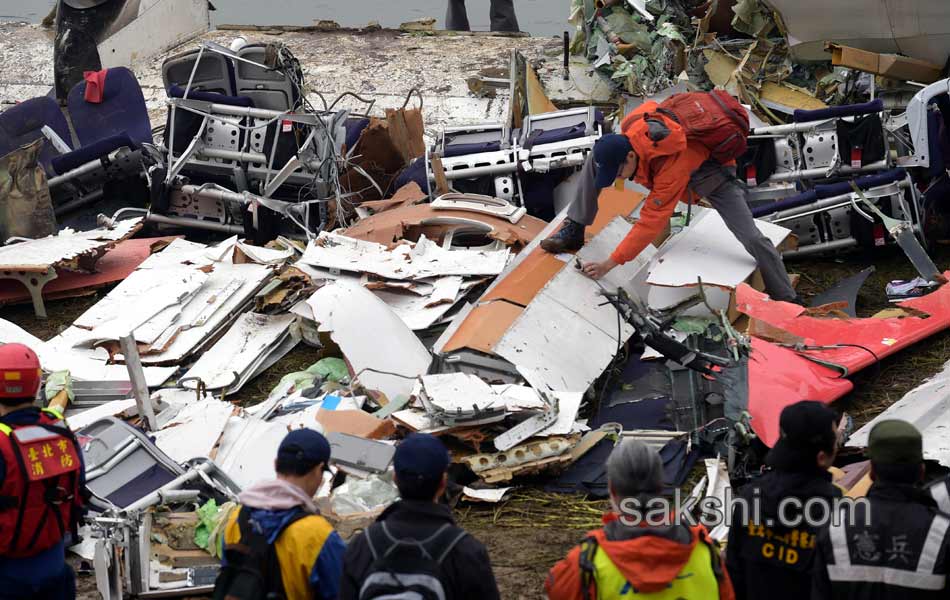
(696, 581)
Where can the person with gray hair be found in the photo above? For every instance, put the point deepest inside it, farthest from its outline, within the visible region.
(633, 553)
(634, 472)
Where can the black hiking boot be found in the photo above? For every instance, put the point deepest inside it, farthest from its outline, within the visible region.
(569, 238)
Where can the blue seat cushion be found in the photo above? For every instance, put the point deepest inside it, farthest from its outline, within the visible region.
(477, 148)
(829, 191)
(67, 162)
(22, 124)
(354, 129)
(122, 110)
(848, 110)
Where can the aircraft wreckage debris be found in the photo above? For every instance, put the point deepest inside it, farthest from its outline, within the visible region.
(379, 252)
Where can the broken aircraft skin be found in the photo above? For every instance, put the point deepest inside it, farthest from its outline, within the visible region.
(416, 215)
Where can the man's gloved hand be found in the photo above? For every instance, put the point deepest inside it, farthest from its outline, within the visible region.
(596, 270)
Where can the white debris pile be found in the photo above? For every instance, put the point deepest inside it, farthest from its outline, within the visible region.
(420, 281)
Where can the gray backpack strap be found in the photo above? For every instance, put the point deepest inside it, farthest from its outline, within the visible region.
(369, 542)
(436, 547)
(452, 545)
(444, 541)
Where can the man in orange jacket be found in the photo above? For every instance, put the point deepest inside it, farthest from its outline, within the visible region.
(653, 150)
(669, 561)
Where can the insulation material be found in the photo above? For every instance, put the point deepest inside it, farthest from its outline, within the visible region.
(405, 261)
(251, 341)
(57, 357)
(195, 430)
(708, 250)
(565, 336)
(927, 407)
(372, 337)
(68, 249)
(724, 71)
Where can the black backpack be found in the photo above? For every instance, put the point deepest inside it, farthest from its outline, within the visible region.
(407, 569)
(251, 570)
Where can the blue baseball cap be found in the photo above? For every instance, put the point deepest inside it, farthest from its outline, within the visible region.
(421, 457)
(610, 152)
(305, 446)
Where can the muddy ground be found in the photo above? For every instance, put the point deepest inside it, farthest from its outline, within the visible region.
(528, 534)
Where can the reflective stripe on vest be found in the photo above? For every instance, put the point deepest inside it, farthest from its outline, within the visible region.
(695, 580)
(53, 413)
(5, 429)
(941, 496)
(923, 578)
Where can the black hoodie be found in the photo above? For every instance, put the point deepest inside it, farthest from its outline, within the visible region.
(769, 560)
(467, 569)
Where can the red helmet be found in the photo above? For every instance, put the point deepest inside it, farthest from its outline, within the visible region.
(20, 372)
